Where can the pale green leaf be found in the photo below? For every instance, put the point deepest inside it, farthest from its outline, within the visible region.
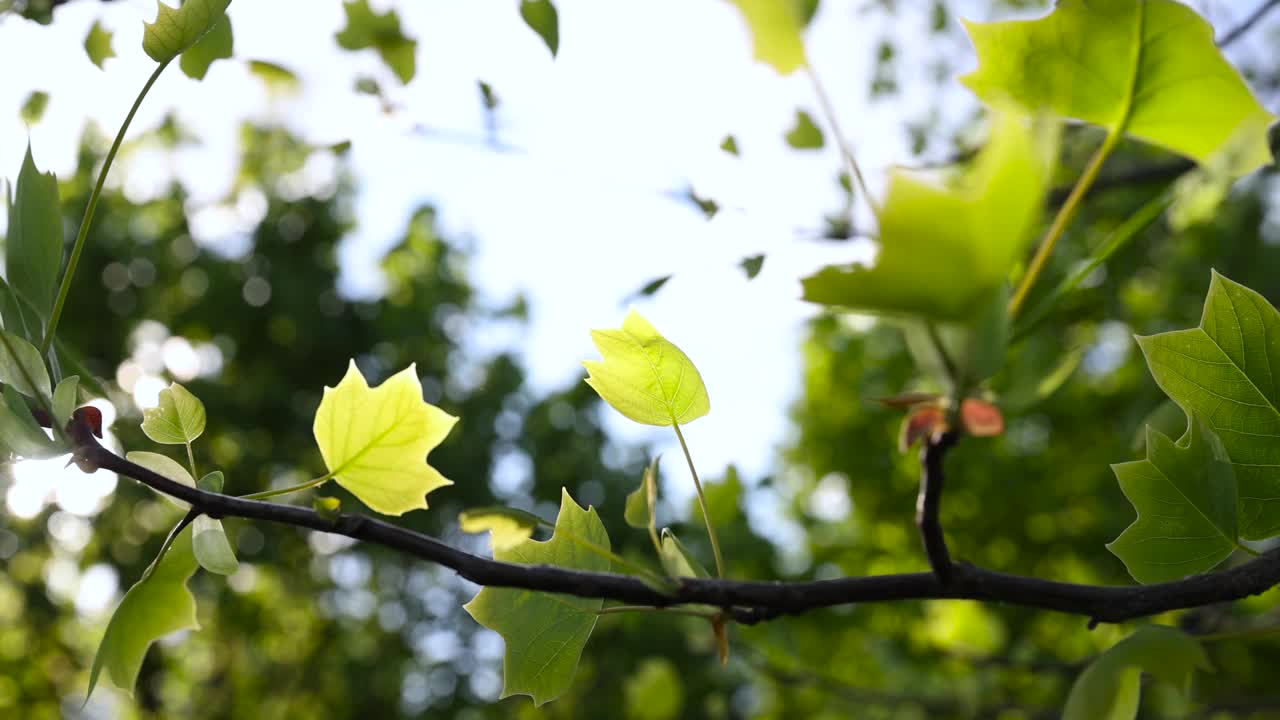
(1185, 495)
(65, 399)
(97, 44)
(166, 466)
(1148, 67)
(654, 691)
(178, 419)
(775, 27)
(367, 30)
(277, 78)
(211, 482)
(156, 606)
(22, 367)
(545, 633)
(1109, 688)
(214, 45)
(176, 30)
(1197, 194)
(542, 18)
(212, 550)
(33, 249)
(642, 502)
(328, 507)
(507, 527)
(677, 560)
(375, 441)
(804, 133)
(34, 106)
(945, 248)
(1222, 371)
(646, 377)
(19, 432)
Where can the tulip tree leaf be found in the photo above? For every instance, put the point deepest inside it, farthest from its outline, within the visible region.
(375, 440)
(677, 560)
(1109, 688)
(19, 433)
(646, 377)
(22, 368)
(507, 527)
(641, 504)
(1185, 495)
(216, 44)
(177, 29)
(212, 550)
(545, 633)
(97, 44)
(949, 270)
(33, 249)
(1146, 67)
(166, 466)
(65, 398)
(367, 30)
(542, 18)
(805, 133)
(1222, 371)
(775, 27)
(156, 606)
(34, 106)
(178, 419)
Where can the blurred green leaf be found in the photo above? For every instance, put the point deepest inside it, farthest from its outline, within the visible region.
(366, 30)
(214, 45)
(804, 134)
(646, 377)
(729, 145)
(21, 366)
(179, 419)
(33, 249)
(507, 527)
(775, 27)
(752, 265)
(542, 18)
(176, 30)
(65, 399)
(212, 550)
(1109, 688)
(677, 560)
(34, 106)
(654, 691)
(211, 482)
(642, 502)
(277, 78)
(97, 44)
(166, 466)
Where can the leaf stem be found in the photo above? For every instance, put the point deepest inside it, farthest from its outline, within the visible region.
(829, 112)
(286, 490)
(168, 542)
(1065, 215)
(1248, 550)
(692, 612)
(191, 458)
(64, 288)
(702, 502)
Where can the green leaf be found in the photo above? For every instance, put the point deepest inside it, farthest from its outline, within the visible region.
(1109, 688)
(644, 376)
(21, 365)
(381, 33)
(508, 527)
(730, 145)
(156, 606)
(654, 691)
(33, 107)
(1222, 371)
(327, 507)
(97, 44)
(944, 249)
(212, 551)
(375, 441)
(211, 482)
(33, 249)
(775, 27)
(19, 432)
(215, 45)
(1147, 67)
(166, 466)
(642, 503)
(178, 419)
(677, 560)
(752, 265)
(277, 78)
(176, 30)
(804, 134)
(542, 18)
(545, 633)
(18, 314)
(1197, 194)
(1185, 495)
(65, 398)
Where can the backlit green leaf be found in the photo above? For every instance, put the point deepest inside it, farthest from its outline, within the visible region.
(804, 133)
(642, 502)
(166, 466)
(97, 44)
(542, 18)
(33, 107)
(277, 78)
(176, 29)
(752, 265)
(375, 440)
(545, 633)
(677, 560)
(19, 432)
(644, 376)
(381, 33)
(1222, 371)
(177, 420)
(507, 527)
(1185, 495)
(1148, 67)
(22, 367)
(211, 482)
(949, 270)
(654, 691)
(775, 27)
(215, 45)
(1109, 688)
(33, 249)
(212, 551)
(156, 606)
(65, 399)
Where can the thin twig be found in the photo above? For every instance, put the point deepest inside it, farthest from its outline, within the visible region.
(929, 503)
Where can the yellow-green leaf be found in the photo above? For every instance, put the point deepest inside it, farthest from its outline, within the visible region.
(33, 249)
(775, 27)
(677, 560)
(508, 527)
(366, 29)
(545, 633)
(65, 398)
(165, 466)
(216, 44)
(22, 367)
(212, 550)
(177, 29)
(642, 502)
(1147, 67)
(156, 606)
(178, 419)
(97, 44)
(1109, 689)
(945, 249)
(646, 377)
(34, 106)
(375, 440)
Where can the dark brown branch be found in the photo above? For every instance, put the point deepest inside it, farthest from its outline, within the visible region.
(1247, 24)
(932, 453)
(748, 601)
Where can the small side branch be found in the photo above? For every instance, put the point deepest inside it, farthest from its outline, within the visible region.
(929, 502)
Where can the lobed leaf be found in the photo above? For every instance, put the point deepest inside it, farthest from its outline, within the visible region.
(1109, 689)
(375, 440)
(382, 33)
(177, 29)
(216, 44)
(178, 419)
(646, 377)
(775, 27)
(545, 633)
(97, 44)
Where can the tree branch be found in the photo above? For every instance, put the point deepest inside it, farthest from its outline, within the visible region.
(932, 452)
(746, 601)
(1247, 24)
